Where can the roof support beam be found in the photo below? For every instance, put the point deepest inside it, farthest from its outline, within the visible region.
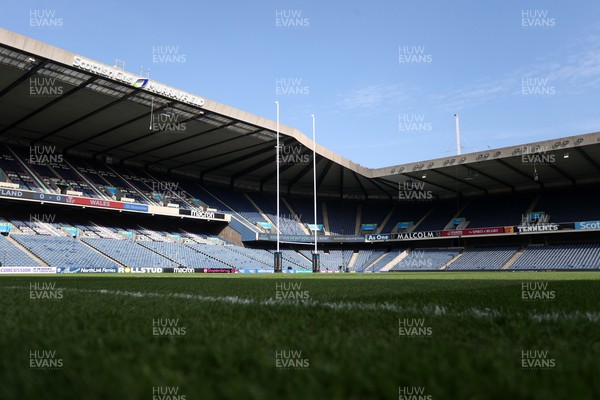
(360, 185)
(23, 78)
(88, 115)
(48, 105)
(299, 176)
(104, 132)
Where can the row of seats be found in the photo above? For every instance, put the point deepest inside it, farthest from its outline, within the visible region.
(65, 251)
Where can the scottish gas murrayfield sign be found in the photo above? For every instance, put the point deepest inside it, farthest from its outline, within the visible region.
(136, 81)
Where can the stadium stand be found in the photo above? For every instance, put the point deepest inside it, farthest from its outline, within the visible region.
(483, 258)
(342, 217)
(569, 206)
(425, 259)
(63, 251)
(559, 256)
(496, 211)
(12, 256)
(152, 246)
(365, 258)
(129, 253)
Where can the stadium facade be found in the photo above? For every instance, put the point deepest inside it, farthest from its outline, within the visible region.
(103, 170)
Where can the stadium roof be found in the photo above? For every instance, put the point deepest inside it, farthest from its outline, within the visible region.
(50, 96)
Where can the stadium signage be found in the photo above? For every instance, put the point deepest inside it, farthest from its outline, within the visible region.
(202, 214)
(379, 238)
(255, 271)
(384, 237)
(141, 270)
(84, 270)
(271, 237)
(475, 231)
(198, 213)
(217, 271)
(100, 203)
(28, 270)
(418, 235)
(135, 207)
(136, 81)
(11, 193)
(183, 270)
(587, 225)
(538, 228)
(56, 198)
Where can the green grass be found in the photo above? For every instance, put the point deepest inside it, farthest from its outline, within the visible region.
(348, 330)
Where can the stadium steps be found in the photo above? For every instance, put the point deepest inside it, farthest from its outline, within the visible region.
(262, 214)
(234, 214)
(107, 231)
(395, 261)
(458, 214)
(459, 255)
(101, 253)
(326, 230)
(359, 208)
(415, 226)
(370, 266)
(39, 182)
(352, 260)
(302, 225)
(91, 186)
(514, 258)
(26, 251)
(534, 203)
(131, 187)
(141, 243)
(385, 220)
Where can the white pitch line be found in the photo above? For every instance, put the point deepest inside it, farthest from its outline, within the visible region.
(341, 305)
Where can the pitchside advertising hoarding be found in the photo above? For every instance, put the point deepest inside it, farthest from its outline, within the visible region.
(28, 270)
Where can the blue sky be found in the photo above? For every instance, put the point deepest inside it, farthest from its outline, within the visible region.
(384, 78)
